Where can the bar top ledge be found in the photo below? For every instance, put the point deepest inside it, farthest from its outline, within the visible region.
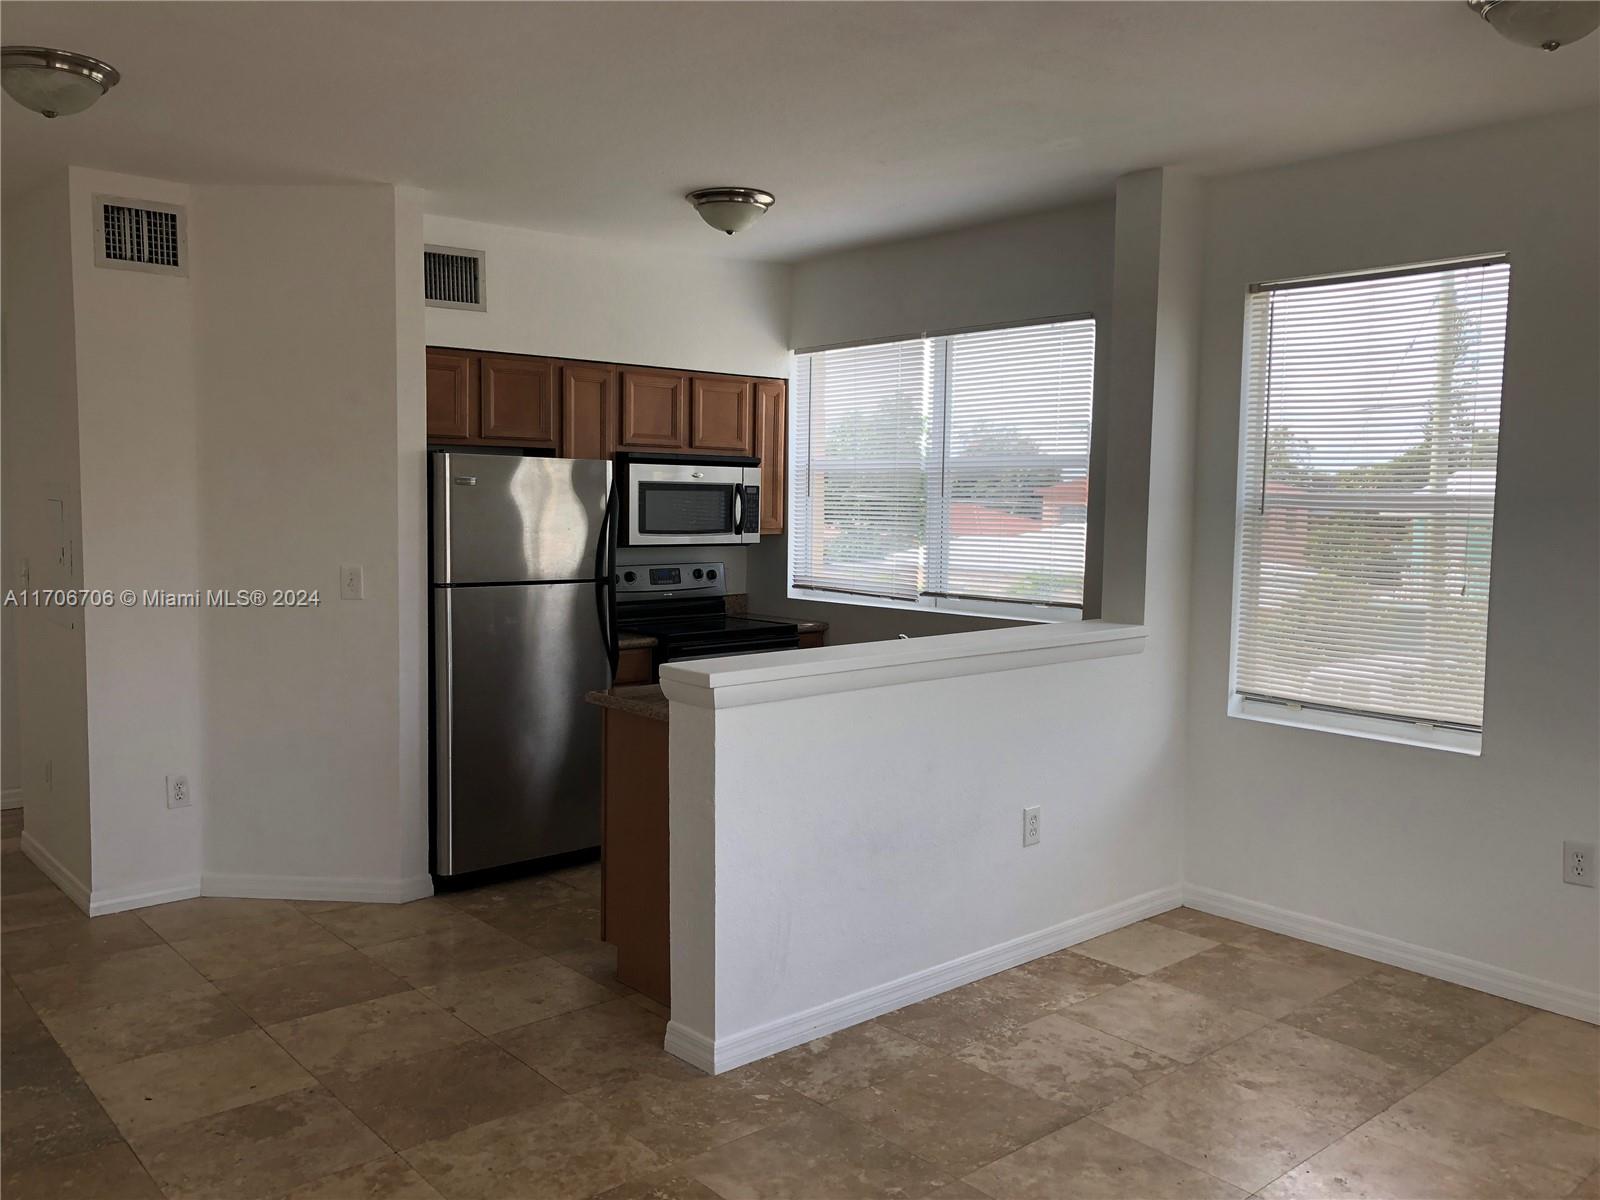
(790, 674)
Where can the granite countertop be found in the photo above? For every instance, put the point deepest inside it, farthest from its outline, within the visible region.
(634, 641)
(802, 625)
(646, 701)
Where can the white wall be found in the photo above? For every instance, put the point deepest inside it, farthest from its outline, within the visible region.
(585, 298)
(1455, 854)
(41, 463)
(141, 527)
(1046, 265)
(311, 409)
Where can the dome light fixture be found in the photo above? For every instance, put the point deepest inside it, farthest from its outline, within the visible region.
(1546, 24)
(54, 83)
(730, 209)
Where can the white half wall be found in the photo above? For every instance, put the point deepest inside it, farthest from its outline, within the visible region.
(1456, 854)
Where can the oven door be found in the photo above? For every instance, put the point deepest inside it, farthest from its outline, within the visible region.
(685, 504)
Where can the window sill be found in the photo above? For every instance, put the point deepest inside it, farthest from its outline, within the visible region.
(993, 610)
(1454, 741)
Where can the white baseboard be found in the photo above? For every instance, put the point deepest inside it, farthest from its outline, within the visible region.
(1540, 993)
(723, 1054)
(310, 887)
(142, 895)
(76, 890)
(11, 798)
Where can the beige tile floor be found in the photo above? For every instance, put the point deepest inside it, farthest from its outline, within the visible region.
(477, 1046)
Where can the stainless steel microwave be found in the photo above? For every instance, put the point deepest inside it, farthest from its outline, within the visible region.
(672, 500)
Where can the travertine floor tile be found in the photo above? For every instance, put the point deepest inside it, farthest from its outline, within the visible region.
(1203, 924)
(1409, 1019)
(110, 1173)
(114, 1033)
(365, 925)
(1261, 983)
(411, 1100)
(819, 1154)
(664, 1185)
(1069, 1064)
(519, 994)
(381, 1179)
(129, 975)
(1548, 1062)
(46, 1111)
(359, 1036)
(73, 942)
(953, 1114)
(604, 1045)
(1259, 1106)
(1143, 947)
(582, 877)
(1171, 1021)
(221, 955)
(207, 916)
(513, 897)
(848, 1061)
(1524, 1151)
(1087, 1161)
(459, 950)
(261, 1150)
(560, 1151)
(178, 1086)
(18, 875)
(550, 929)
(680, 1117)
(325, 982)
(1361, 1167)
(989, 1007)
(1070, 977)
(1589, 1189)
(1305, 954)
(596, 961)
(31, 910)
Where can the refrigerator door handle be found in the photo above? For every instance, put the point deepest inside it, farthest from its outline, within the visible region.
(605, 569)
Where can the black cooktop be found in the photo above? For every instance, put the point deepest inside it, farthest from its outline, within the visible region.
(671, 628)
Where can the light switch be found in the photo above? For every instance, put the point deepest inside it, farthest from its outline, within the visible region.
(352, 582)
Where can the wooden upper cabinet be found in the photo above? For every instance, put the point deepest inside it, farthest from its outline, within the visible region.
(452, 394)
(772, 444)
(517, 401)
(588, 410)
(654, 411)
(720, 417)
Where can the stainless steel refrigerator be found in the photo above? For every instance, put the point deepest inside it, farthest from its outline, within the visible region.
(521, 630)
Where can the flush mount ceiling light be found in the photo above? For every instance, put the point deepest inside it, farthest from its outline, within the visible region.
(54, 83)
(730, 209)
(1547, 24)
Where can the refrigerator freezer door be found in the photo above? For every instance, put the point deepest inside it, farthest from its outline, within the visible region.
(517, 751)
(502, 518)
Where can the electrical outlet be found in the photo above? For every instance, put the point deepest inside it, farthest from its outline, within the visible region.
(1030, 826)
(352, 582)
(178, 795)
(1577, 863)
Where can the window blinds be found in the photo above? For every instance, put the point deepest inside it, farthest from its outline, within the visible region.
(946, 469)
(1372, 411)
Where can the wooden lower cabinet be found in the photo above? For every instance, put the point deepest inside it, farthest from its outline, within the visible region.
(517, 401)
(635, 863)
(721, 420)
(808, 640)
(635, 667)
(452, 386)
(654, 411)
(772, 444)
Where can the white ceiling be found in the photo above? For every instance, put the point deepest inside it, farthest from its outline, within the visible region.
(868, 121)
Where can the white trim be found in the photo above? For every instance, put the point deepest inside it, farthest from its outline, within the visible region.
(1376, 729)
(55, 870)
(789, 674)
(143, 895)
(992, 610)
(1485, 977)
(716, 1055)
(11, 798)
(367, 889)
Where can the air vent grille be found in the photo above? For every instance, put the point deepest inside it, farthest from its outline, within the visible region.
(140, 235)
(452, 277)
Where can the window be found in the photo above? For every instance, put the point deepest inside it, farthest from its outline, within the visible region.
(1367, 484)
(946, 472)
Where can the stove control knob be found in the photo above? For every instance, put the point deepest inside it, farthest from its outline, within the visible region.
(711, 574)
(698, 573)
(628, 577)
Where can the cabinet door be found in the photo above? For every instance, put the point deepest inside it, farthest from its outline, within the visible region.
(517, 401)
(588, 410)
(772, 444)
(452, 394)
(655, 411)
(720, 416)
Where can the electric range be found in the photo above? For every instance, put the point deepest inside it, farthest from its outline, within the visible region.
(684, 607)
